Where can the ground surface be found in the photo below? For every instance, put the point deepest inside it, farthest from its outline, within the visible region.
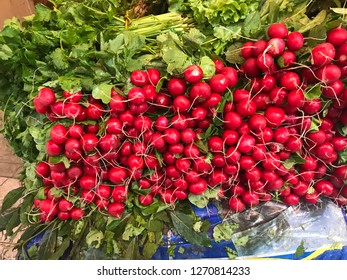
(10, 167)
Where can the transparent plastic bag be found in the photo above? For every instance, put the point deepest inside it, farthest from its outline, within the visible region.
(315, 226)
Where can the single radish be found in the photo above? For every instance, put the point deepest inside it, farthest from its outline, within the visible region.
(193, 73)
(277, 30)
(337, 36)
(322, 54)
(139, 78)
(294, 41)
(46, 96)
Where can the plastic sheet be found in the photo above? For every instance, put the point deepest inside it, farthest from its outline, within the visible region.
(313, 226)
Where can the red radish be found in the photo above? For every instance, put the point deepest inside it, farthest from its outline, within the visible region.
(74, 172)
(324, 187)
(294, 144)
(119, 194)
(191, 151)
(213, 101)
(241, 94)
(117, 175)
(246, 108)
(281, 134)
(341, 56)
(136, 96)
(180, 195)
(89, 142)
(275, 47)
(337, 36)
(267, 83)
(250, 68)
(199, 187)
(172, 136)
(295, 41)
(246, 162)
(63, 216)
(200, 92)
(153, 76)
(142, 123)
(191, 176)
(176, 86)
(73, 97)
(216, 144)
(219, 65)
(265, 61)
(325, 151)
(46, 96)
(117, 103)
(322, 54)
(246, 143)
(291, 199)
(139, 78)
(290, 81)
(230, 137)
(262, 101)
(271, 161)
(65, 205)
(236, 204)
(57, 108)
(333, 90)
(250, 198)
(219, 83)
(288, 58)
(145, 200)
(135, 162)
(312, 107)
(87, 182)
(311, 196)
(275, 116)
(42, 169)
(77, 213)
(167, 196)
(231, 75)
(180, 122)
(116, 209)
(232, 120)
(39, 107)
(247, 50)
(53, 149)
(188, 136)
(193, 73)
(296, 98)
(72, 110)
(181, 104)
(257, 122)
(114, 126)
(103, 191)
(277, 30)
(339, 143)
(328, 74)
(75, 131)
(301, 188)
(259, 47)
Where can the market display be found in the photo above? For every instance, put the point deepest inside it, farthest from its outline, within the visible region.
(126, 121)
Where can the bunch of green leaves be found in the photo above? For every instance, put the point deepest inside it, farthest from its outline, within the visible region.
(76, 45)
(137, 235)
(221, 21)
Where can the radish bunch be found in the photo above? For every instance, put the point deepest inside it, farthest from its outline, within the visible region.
(285, 124)
(142, 142)
(271, 130)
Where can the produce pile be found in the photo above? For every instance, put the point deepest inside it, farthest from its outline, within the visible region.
(125, 123)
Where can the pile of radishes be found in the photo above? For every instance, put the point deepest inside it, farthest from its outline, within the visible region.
(253, 133)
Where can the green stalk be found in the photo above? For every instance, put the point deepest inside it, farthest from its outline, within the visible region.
(153, 25)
